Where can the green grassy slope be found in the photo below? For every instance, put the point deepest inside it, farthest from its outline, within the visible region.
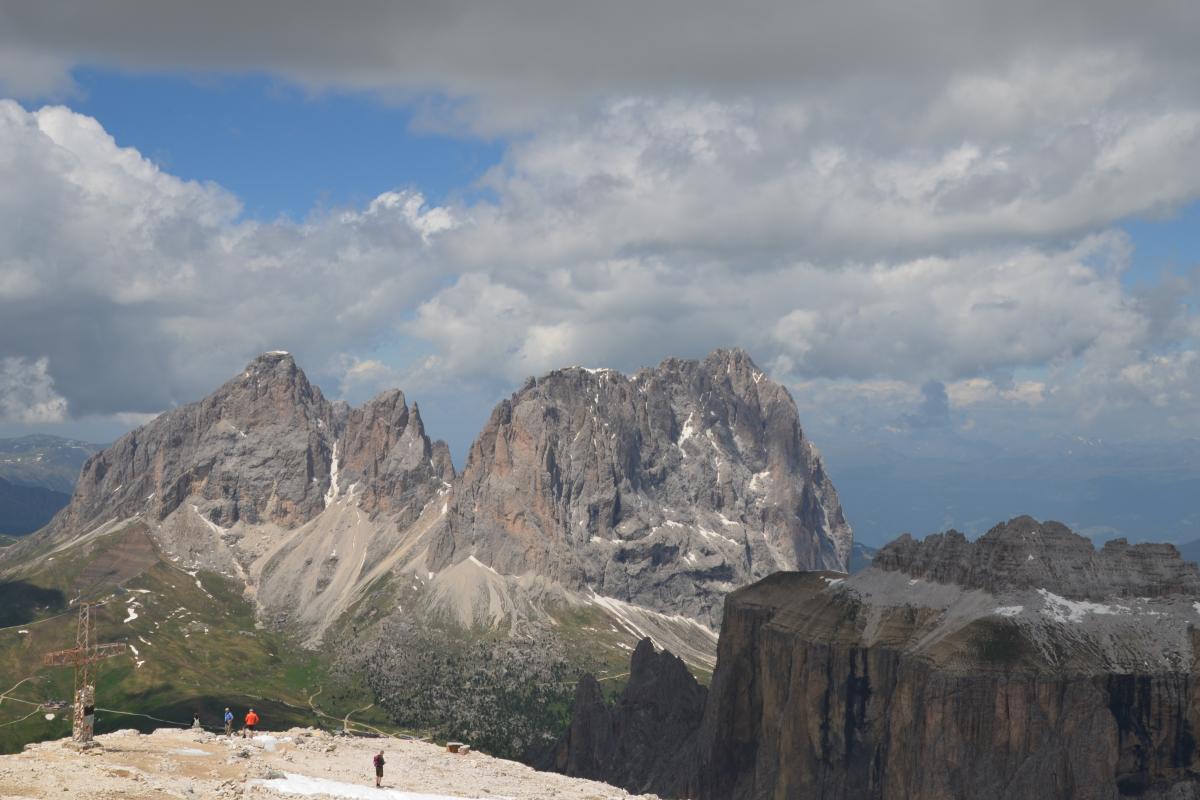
(197, 646)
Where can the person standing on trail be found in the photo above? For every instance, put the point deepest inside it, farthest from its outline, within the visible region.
(228, 722)
(195, 720)
(251, 723)
(379, 762)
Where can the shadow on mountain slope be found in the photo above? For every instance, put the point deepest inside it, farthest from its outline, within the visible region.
(22, 602)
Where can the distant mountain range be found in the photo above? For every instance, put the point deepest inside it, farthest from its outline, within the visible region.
(1190, 551)
(861, 556)
(926, 480)
(595, 509)
(37, 476)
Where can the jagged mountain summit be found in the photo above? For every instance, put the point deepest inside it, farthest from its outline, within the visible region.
(665, 489)
(1024, 664)
(261, 449)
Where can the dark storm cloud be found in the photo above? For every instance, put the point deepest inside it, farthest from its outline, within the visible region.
(523, 48)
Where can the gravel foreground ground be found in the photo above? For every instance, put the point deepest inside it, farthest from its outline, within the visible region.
(297, 763)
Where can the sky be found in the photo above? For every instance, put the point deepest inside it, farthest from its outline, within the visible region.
(966, 235)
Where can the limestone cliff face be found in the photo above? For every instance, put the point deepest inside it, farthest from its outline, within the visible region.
(385, 451)
(894, 684)
(666, 489)
(644, 739)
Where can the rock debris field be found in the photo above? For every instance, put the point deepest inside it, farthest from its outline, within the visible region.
(297, 763)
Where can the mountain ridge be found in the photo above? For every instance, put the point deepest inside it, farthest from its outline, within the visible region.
(595, 510)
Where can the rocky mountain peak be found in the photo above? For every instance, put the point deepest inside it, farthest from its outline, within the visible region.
(387, 454)
(266, 446)
(1026, 554)
(665, 489)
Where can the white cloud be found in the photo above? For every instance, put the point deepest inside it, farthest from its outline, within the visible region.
(27, 392)
(652, 226)
(365, 375)
(739, 181)
(156, 290)
(973, 391)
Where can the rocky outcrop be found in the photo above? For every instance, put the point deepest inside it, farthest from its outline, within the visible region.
(646, 738)
(1027, 554)
(666, 489)
(960, 669)
(385, 450)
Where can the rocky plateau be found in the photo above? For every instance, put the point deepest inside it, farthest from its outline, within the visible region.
(1025, 664)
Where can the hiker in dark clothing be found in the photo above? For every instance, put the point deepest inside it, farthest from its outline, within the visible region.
(379, 762)
(228, 722)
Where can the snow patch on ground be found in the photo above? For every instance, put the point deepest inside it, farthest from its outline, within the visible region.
(711, 534)
(193, 573)
(311, 787)
(479, 563)
(1061, 609)
(190, 751)
(1008, 611)
(332, 494)
(212, 526)
(688, 431)
(132, 613)
(269, 743)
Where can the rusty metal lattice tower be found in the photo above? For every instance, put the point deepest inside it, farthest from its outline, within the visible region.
(82, 656)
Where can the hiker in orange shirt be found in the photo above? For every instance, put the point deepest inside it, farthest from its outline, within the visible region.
(251, 723)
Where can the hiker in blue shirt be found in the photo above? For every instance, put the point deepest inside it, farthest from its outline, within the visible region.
(228, 722)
